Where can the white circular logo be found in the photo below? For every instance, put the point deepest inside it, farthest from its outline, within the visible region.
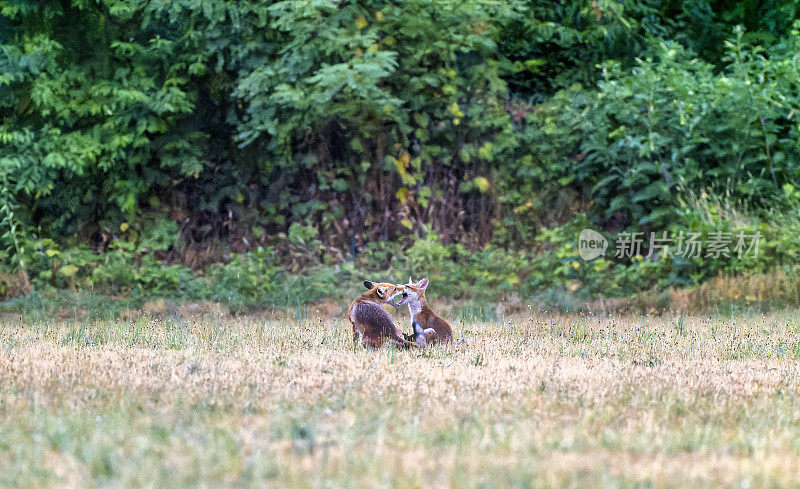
(591, 244)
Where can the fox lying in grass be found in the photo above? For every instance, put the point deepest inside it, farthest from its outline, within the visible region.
(428, 327)
(371, 322)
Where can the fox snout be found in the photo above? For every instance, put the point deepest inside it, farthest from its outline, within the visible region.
(403, 299)
(383, 293)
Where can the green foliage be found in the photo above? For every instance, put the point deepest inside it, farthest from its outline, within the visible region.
(244, 281)
(674, 125)
(462, 140)
(351, 96)
(556, 44)
(89, 106)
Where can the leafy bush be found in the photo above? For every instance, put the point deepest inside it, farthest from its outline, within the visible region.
(467, 141)
(244, 281)
(676, 125)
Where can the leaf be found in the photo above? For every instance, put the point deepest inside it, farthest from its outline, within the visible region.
(400, 164)
(68, 271)
(455, 110)
(340, 185)
(482, 184)
(402, 195)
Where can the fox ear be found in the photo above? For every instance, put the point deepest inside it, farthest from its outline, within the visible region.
(381, 292)
(423, 284)
(368, 284)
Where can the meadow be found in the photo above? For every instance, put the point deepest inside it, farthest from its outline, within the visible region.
(200, 398)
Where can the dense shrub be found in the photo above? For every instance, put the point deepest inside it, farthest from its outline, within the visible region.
(156, 147)
(672, 126)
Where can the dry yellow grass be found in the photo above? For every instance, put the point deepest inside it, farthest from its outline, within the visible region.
(535, 401)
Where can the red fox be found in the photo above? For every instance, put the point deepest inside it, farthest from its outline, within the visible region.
(428, 326)
(371, 322)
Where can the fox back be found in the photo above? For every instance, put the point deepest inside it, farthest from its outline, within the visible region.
(370, 321)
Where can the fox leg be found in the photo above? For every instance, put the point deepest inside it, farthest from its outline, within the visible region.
(402, 342)
(431, 336)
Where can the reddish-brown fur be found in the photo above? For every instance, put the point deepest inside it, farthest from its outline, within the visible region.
(371, 322)
(414, 296)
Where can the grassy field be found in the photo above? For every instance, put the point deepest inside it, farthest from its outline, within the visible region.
(530, 401)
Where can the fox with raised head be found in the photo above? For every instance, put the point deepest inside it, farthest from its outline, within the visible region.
(371, 322)
(428, 326)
